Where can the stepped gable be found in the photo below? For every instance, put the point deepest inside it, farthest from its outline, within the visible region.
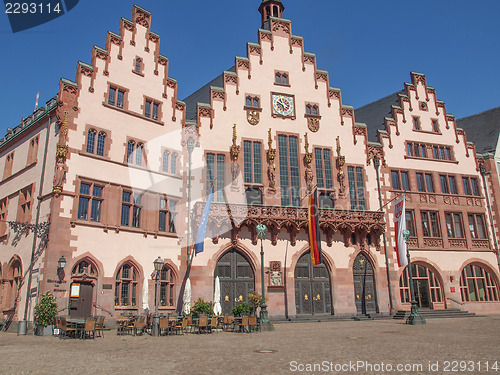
(200, 103)
(373, 114)
(483, 129)
(135, 40)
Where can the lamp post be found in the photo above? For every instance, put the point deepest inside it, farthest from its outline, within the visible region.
(414, 318)
(158, 263)
(265, 324)
(61, 263)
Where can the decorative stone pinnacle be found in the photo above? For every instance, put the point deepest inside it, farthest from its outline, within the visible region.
(234, 150)
(308, 156)
(271, 153)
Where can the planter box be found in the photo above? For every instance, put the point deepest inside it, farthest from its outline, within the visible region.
(44, 331)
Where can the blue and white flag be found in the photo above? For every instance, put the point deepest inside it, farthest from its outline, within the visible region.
(202, 228)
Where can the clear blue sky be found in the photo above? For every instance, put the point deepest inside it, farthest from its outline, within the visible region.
(369, 47)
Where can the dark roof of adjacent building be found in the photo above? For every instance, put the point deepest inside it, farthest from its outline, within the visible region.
(482, 129)
(373, 114)
(202, 95)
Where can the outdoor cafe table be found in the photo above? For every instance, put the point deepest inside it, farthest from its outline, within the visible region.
(78, 323)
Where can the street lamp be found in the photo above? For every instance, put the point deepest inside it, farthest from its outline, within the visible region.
(158, 263)
(61, 263)
(414, 318)
(265, 324)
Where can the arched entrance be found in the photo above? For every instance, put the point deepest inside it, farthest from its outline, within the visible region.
(426, 284)
(365, 294)
(236, 279)
(312, 288)
(83, 278)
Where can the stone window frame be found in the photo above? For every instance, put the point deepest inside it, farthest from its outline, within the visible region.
(170, 152)
(399, 181)
(9, 163)
(132, 281)
(152, 102)
(25, 204)
(133, 161)
(98, 131)
(136, 203)
(115, 102)
(280, 76)
(139, 72)
(170, 212)
(431, 230)
(452, 231)
(91, 198)
(33, 150)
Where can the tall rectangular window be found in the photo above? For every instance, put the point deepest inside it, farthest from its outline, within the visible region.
(356, 188)
(252, 162)
(147, 108)
(131, 209)
(476, 226)
(289, 170)
(410, 222)
(444, 184)
(429, 183)
(475, 186)
(396, 184)
(454, 225)
(90, 195)
(125, 217)
(452, 184)
(119, 99)
(430, 224)
(420, 181)
(111, 96)
(215, 172)
(323, 168)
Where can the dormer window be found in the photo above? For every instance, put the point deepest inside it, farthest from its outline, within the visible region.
(281, 78)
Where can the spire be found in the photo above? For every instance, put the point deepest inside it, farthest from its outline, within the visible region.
(270, 8)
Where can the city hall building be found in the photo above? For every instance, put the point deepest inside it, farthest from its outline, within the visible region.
(115, 170)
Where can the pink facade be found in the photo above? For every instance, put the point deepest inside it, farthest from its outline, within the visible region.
(116, 188)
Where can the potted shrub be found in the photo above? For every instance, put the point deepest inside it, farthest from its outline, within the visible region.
(242, 309)
(202, 307)
(255, 300)
(45, 312)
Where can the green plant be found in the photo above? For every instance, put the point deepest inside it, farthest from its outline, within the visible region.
(242, 309)
(45, 310)
(255, 300)
(202, 307)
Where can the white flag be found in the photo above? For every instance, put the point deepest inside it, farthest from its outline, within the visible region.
(400, 226)
(36, 101)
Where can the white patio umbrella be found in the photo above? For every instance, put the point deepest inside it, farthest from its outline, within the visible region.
(145, 304)
(217, 306)
(186, 299)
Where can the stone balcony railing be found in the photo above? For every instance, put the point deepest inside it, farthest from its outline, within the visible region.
(224, 218)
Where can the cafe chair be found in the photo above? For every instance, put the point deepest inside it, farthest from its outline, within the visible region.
(203, 324)
(66, 331)
(181, 326)
(164, 326)
(252, 324)
(88, 329)
(99, 326)
(213, 324)
(139, 325)
(243, 326)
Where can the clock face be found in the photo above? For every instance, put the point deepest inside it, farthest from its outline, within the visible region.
(283, 105)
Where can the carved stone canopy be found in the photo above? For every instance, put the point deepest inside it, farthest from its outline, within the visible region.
(293, 219)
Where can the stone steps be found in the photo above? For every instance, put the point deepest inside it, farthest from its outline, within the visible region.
(435, 314)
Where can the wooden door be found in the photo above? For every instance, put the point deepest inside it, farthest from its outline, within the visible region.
(236, 278)
(312, 288)
(81, 306)
(364, 286)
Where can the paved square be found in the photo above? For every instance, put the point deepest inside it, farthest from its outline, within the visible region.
(296, 346)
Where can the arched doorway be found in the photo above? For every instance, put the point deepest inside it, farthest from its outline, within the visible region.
(365, 294)
(83, 278)
(312, 288)
(236, 279)
(426, 284)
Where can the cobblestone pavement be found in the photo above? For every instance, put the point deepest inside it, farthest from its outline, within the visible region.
(336, 346)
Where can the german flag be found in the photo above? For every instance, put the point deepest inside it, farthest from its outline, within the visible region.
(314, 235)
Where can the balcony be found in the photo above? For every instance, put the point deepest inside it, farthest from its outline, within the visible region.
(225, 218)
